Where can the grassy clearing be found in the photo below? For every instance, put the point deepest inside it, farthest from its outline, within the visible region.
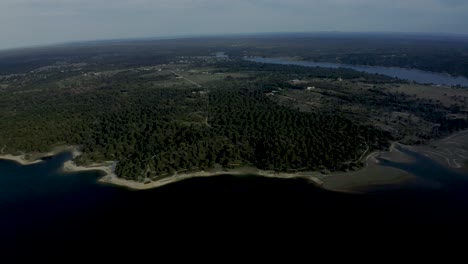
(443, 94)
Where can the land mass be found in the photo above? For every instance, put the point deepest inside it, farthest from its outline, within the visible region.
(167, 108)
(358, 181)
(21, 159)
(35, 157)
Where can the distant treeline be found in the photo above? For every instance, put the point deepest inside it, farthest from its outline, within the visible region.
(305, 72)
(434, 53)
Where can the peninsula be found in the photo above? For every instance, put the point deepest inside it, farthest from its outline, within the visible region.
(151, 116)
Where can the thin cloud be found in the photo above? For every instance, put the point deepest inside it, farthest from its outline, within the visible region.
(29, 22)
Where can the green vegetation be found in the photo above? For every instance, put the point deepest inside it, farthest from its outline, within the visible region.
(186, 111)
(157, 126)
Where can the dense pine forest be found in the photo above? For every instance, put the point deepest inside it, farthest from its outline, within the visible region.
(157, 111)
(154, 131)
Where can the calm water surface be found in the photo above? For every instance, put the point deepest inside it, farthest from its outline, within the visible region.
(41, 206)
(419, 76)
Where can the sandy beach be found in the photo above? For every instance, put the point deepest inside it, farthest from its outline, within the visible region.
(21, 159)
(111, 178)
(70, 166)
(33, 158)
(372, 174)
(349, 182)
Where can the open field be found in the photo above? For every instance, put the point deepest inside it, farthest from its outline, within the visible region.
(410, 112)
(447, 96)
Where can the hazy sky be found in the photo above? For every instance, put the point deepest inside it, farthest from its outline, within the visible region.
(31, 22)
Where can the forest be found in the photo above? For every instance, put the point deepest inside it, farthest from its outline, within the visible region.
(156, 131)
(132, 103)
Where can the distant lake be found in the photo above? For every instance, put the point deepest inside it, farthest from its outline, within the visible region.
(415, 75)
(42, 207)
(221, 54)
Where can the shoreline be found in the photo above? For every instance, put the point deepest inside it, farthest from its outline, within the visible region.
(368, 178)
(36, 157)
(180, 177)
(111, 178)
(349, 182)
(20, 159)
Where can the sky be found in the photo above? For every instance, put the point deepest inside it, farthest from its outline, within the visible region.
(36, 22)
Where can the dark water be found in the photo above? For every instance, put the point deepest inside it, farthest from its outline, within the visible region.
(42, 208)
(419, 76)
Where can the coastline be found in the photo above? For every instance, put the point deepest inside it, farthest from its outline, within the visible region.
(111, 178)
(108, 168)
(351, 182)
(36, 157)
(373, 175)
(180, 177)
(20, 159)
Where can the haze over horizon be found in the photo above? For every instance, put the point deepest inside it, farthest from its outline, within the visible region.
(37, 22)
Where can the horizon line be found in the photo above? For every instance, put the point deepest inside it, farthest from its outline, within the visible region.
(247, 34)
